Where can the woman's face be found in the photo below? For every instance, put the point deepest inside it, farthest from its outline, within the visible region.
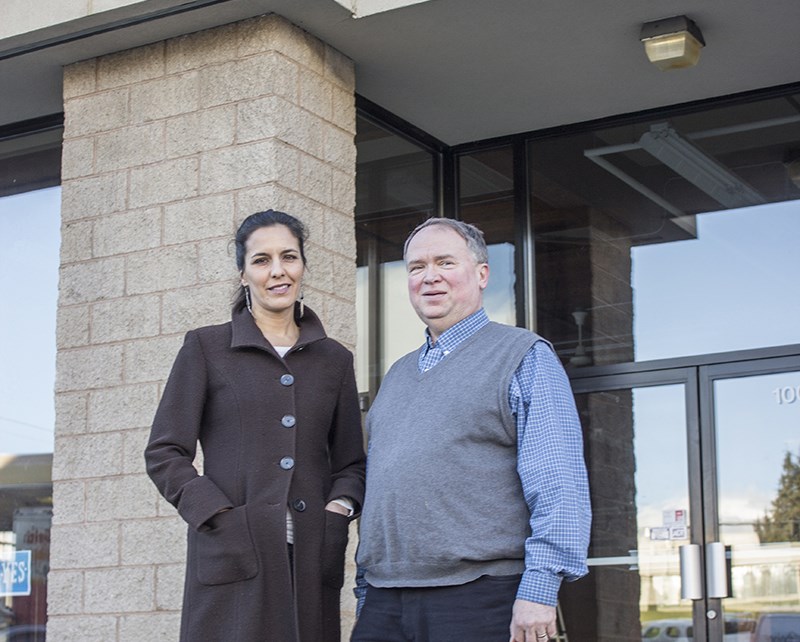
(273, 269)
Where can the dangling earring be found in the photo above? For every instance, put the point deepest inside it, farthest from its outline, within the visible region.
(302, 305)
(247, 300)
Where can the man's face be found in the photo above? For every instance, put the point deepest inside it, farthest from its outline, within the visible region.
(445, 283)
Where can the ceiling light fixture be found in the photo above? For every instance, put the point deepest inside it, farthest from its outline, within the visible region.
(672, 43)
(697, 167)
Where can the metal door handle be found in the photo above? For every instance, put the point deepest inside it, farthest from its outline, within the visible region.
(691, 575)
(716, 570)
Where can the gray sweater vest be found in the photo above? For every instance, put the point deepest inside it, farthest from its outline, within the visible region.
(444, 502)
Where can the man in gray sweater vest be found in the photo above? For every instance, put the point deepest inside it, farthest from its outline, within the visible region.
(477, 501)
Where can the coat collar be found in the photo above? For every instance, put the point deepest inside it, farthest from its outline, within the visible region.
(245, 332)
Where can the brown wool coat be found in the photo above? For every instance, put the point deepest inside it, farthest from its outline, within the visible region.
(228, 390)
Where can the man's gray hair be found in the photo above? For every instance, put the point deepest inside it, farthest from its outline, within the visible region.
(471, 234)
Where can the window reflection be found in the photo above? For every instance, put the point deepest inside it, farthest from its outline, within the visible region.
(759, 505)
(25, 518)
(486, 199)
(29, 227)
(637, 461)
(653, 235)
(29, 263)
(727, 290)
(395, 191)
(402, 329)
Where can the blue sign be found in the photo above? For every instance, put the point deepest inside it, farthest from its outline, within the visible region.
(15, 574)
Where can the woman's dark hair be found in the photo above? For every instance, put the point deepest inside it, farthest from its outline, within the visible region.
(256, 221)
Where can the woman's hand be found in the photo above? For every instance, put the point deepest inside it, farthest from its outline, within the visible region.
(209, 523)
(334, 507)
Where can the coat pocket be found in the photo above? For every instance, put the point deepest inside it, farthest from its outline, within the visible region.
(225, 552)
(334, 546)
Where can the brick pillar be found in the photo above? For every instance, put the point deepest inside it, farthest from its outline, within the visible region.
(166, 149)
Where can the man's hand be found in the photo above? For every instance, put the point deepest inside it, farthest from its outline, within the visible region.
(532, 622)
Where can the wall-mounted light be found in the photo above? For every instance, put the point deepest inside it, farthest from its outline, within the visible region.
(672, 43)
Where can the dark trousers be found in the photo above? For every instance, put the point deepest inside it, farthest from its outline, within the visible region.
(479, 611)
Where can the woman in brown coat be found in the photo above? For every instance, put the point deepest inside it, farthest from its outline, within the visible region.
(272, 402)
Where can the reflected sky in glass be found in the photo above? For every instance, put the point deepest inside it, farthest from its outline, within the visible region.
(734, 287)
(762, 412)
(659, 426)
(30, 229)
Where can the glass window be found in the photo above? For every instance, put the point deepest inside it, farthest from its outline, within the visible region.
(636, 455)
(486, 199)
(30, 229)
(757, 486)
(671, 237)
(29, 262)
(395, 191)
(30, 161)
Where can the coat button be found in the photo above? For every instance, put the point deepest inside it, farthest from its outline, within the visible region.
(299, 505)
(287, 380)
(287, 463)
(288, 421)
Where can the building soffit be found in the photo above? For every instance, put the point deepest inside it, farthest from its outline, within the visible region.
(364, 8)
(462, 71)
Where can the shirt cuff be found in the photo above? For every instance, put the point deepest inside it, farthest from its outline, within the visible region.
(540, 587)
(345, 502)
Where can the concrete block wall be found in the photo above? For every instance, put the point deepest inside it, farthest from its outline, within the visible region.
(166, 149)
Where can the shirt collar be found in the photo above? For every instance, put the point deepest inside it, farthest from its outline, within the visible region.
(245, 332)
(454, 335)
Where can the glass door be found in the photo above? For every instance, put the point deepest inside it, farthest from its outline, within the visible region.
(641, 436)
(751, 421)
(695, 480)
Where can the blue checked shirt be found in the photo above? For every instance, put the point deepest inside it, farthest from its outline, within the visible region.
(549, 462)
